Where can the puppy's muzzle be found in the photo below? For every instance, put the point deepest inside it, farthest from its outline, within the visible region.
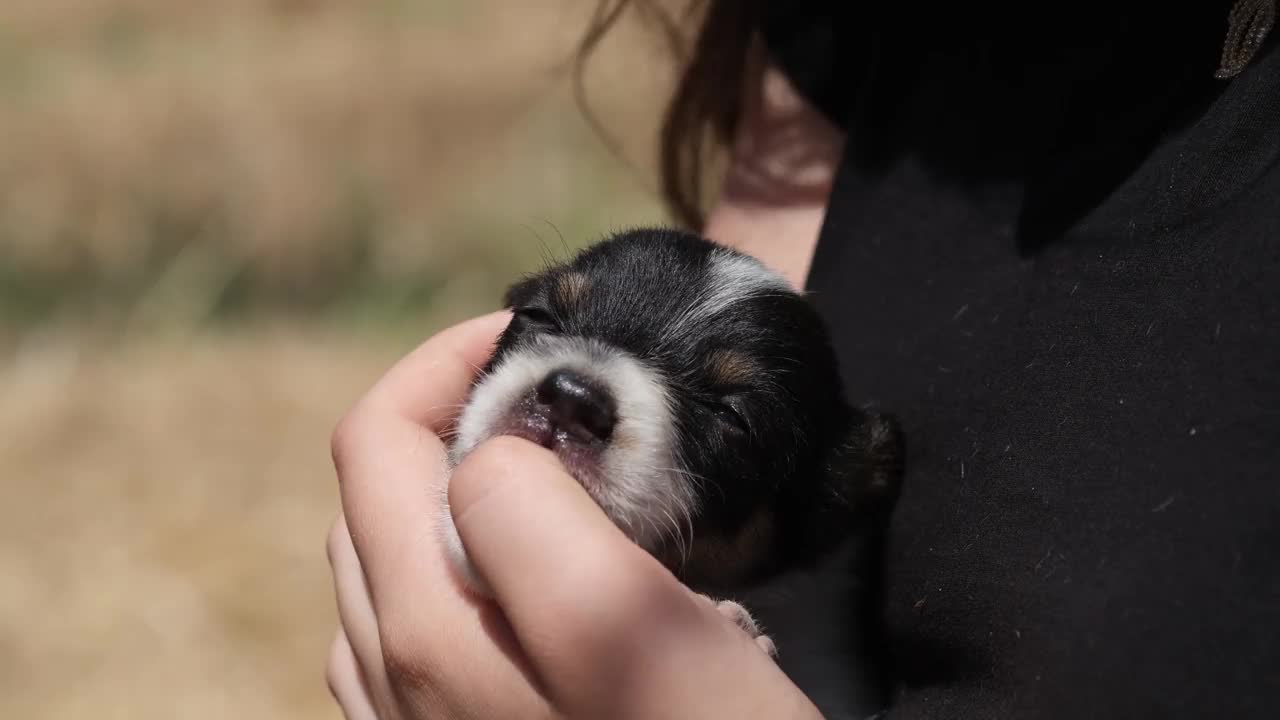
(577, 406)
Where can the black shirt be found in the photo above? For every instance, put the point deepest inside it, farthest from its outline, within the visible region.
(1053, 252)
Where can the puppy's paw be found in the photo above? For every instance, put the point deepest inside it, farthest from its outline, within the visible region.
(742, 618)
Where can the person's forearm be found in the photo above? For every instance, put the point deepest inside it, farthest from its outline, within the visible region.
(781, 168)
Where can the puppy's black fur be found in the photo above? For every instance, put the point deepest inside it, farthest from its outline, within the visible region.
(783, 440)
(780, 471)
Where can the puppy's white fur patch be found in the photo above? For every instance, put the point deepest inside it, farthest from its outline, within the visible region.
(638, 483)
(745, 275)
(731, 278)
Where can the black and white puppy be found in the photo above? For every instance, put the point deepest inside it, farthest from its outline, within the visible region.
(696, 397)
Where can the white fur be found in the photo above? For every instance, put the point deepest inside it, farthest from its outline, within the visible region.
(736, 277)
(732, 278)
(639, 483)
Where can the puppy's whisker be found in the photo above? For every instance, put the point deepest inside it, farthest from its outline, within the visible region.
(452, 409)
(673, 530)
(563, 244)
(700, 480)
(479, 370)
(652, 524)
(685, 539)
(544, 251)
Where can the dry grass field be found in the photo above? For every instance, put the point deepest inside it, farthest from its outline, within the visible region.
(219, 222)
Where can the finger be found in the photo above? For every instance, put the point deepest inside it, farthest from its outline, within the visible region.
(581, 597)
(428, 384)
(346, 682)
(524, 516)
(609, 631)
(428, 648)
(392, 470)
(359, 626)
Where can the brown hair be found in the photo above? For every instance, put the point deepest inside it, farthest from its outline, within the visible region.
(703, 113)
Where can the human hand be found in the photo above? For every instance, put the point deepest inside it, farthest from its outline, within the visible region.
(582, 623)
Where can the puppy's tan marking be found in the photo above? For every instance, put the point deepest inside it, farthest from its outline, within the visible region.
(727, 367)
(571, 288)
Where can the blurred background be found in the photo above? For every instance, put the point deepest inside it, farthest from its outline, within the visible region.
(219, 223)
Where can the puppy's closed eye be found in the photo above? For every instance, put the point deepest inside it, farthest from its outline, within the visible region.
(534, 318)
(726, 412)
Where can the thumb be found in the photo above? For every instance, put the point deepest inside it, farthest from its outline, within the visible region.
(523, 518)
(608, 631)
(581, 597)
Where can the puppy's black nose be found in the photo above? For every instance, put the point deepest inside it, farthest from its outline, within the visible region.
(578, 406)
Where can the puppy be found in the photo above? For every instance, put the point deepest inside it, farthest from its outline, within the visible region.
(696, 397)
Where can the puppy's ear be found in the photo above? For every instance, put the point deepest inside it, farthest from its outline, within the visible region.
(522, 292)
(860, 483)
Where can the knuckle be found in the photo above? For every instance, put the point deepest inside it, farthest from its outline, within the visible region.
(347, 435)
(407, 657)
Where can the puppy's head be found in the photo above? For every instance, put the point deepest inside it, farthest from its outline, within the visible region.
(695, 396)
